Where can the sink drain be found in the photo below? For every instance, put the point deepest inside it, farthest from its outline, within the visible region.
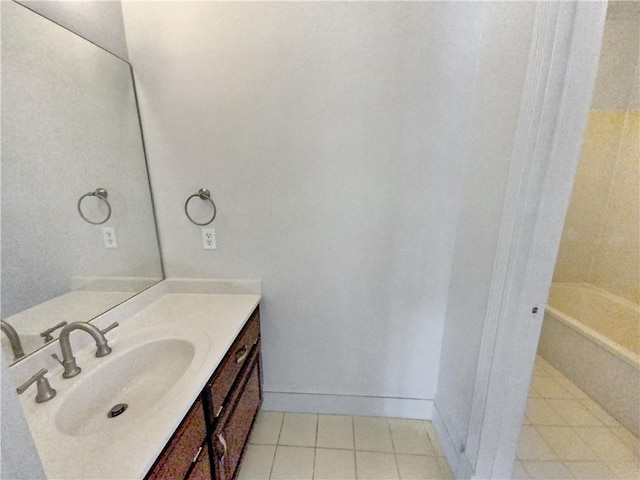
(117, 410)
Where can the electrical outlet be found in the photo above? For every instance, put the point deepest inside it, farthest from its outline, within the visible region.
(209, 238)
(109, 237)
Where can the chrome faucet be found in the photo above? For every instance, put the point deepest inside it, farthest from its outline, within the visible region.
(14, 339)
(71, 369)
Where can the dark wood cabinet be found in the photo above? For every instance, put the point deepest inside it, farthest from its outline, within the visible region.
(178, 455)
(202, 466)
(210, 441)
(232, 429)
(228, 372)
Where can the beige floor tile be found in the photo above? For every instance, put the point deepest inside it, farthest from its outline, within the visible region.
(372, 434)
(541, 362)
(547, 470)
(410, 436)
(533, 447)
(552, 371)
(257, 462)
(533, 393)
(539, 371)
(600, 413)
(606, 445)
(435, 441)
(293, 463)
(590, 471)
(418, 467)
(574, 412)
(549, 387)
(567, 444)
(519, 472)
(376, 465)
(334, 465)
(625, 470)
(540, 412)
(628, 438)
(335, 431)
(267, 428)
(299, 430)
(571, 387)
(447, 474)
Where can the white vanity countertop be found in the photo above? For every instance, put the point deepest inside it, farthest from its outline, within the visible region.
(127, 448)
(73, 306)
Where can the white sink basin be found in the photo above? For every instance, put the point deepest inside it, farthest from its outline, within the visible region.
(140, 377)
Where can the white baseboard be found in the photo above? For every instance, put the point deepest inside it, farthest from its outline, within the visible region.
(348, 405)
(459, 463)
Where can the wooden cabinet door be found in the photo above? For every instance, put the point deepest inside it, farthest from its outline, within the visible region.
(232, 431)
(178, 455)
(229, 369)
(202, 468)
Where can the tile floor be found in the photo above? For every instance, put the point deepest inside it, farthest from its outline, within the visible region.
(302, 446)
(566, 435)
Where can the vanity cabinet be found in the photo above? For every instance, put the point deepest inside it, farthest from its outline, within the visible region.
(177, 457)
(210, 441)
(232, 429)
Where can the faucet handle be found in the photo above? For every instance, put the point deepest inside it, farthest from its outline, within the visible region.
(46, 334)
(45, 392)
(110, 327)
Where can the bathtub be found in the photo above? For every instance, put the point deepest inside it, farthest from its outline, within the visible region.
(593, 338)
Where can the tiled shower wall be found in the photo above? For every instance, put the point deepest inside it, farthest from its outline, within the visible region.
(600, 242)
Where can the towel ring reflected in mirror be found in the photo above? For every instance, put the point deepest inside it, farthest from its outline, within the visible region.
(204, 194)
(100, 193)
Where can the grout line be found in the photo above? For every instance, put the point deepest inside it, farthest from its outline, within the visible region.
(353, 431)
(280, 430)
(315, 447)
(273, 460)
(276, 450)
(393, 447)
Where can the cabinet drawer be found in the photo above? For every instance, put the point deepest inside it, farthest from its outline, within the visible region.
(202, 467)
(231, 365)
(233, 429)
(178, 455)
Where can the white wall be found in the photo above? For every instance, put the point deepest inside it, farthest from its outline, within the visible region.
(502, 64)
(69, 125)
(331, 136)
(98, 21)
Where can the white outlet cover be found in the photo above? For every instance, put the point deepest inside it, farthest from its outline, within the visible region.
(109, 237)
(209, 238)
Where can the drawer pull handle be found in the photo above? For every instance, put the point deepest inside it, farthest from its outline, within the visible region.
(197, 455)
(241, 354)
(224, 445)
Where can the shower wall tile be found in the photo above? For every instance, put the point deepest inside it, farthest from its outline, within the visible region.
(589, 198)
(616, 260)
(618, 61)
(600, 241)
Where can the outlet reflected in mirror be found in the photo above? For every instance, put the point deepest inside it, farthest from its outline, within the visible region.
(69, 126)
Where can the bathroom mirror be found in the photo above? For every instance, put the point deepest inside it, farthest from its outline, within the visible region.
(69, 126)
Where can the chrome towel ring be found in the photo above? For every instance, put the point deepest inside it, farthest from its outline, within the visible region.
(100, 193)
(204, 194)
